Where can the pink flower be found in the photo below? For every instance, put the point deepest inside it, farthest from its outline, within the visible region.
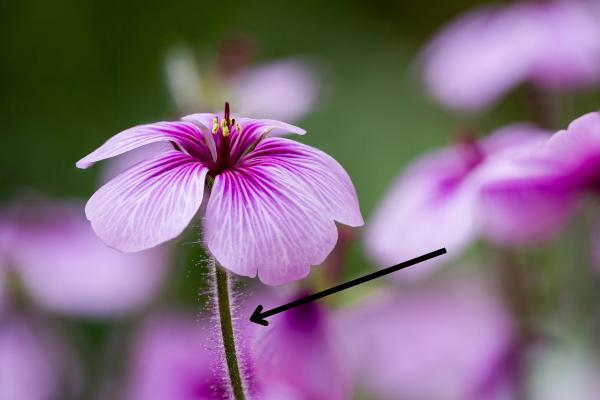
(481, 56)
(285, 89)
(171, 360)
(272, 207)
(30, 369)
(448, 340)
(65, 268)
(563, 169)
(300, 349)
(437, 202)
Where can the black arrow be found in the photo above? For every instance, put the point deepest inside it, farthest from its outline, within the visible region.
(258, 317)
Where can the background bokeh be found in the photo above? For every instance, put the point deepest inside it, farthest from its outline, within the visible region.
(75, 72)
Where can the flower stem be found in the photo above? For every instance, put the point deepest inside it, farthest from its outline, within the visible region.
(224, 306)
(515, 286)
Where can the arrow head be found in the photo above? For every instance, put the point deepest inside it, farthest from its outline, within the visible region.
(257, 317)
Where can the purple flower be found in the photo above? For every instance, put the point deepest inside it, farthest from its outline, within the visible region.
(448, 340)
(65, 268)
(437, 202)
(272, 206)
(479, 57)
(285, 89)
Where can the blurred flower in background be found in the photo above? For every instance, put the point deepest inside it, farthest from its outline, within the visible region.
(440, 198)
(554, 45)
(30, 364)
(285, 90)
(442, 340)
(64, 268)
(564, 169)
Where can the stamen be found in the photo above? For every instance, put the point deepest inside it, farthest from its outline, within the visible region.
(215, 127)
(225, 127)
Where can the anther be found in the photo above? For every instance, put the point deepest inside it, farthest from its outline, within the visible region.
(215, 127)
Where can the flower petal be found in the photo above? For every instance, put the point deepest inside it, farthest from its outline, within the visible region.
(320, 174)
(186, 135)
(148, 204)
(260, 219)
(300, 350)
(526, 210)
(479, 57)
(56, 238)
(527, 195)
(283, 90)
(258, 127)
(409, 344)
(578, 149)
(432, 205)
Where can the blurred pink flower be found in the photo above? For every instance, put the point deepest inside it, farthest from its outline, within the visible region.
(300, 349)
(478, 58)
(65, 268)
(29, 368)
(285, 90)
(175, 358)
(558, 173)
(437, 202)
(171, 360)
(272, 207)
(448, 340)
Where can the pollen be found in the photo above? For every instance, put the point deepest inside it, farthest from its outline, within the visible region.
(215, 127)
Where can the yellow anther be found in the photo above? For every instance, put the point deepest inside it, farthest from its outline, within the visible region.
(225, 130)
(215, 127)
(238, 127)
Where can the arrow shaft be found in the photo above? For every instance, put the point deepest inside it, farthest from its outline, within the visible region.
(353, 283)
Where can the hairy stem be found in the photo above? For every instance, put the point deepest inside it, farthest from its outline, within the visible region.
(224, 306)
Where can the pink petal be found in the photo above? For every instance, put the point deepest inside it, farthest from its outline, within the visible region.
(432, 205)
(526, 210)
(284, 90)
(577, 149)
(569, 53)
(443, 341)
(479, 57)
(48, 253)
(272, 216)
(320, 173)
(148, 204)
(171, 360)
(30, 367)
(526, 196)
(186, 135)
(300, 349)
(258, 127)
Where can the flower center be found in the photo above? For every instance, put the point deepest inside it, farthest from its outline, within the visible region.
(221, 131)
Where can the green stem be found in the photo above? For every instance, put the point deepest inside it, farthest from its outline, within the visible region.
(235, 377)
